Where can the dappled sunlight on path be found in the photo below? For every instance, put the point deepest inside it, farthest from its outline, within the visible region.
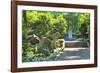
(75, 54)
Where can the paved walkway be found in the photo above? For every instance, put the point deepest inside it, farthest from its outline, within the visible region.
(75, 54)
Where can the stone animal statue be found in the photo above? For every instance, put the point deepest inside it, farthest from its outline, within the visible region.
(46, 45)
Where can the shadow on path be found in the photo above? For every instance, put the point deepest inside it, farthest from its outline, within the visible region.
(75, 54)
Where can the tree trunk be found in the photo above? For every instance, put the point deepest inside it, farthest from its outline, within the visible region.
(26, 28)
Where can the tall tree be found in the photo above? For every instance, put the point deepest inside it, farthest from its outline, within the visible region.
(26, 28)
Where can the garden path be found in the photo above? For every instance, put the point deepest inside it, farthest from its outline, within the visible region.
(75, 54)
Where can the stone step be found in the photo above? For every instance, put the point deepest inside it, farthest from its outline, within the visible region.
(77, 44)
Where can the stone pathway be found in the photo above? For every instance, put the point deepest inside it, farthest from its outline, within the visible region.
(75, 54)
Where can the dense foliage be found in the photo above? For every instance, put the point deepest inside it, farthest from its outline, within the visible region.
(48, 27)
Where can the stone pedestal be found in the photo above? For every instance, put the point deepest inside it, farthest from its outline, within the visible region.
(70, 34)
